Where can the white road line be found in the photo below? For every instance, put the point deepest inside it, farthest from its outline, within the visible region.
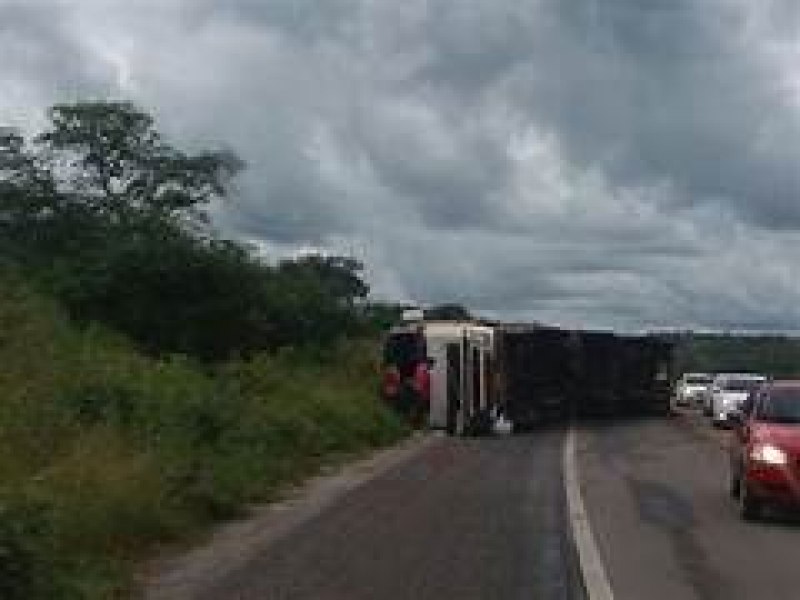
(593, 571)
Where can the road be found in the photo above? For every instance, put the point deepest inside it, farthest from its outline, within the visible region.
(486, 519)
(656, 494)
(480, 518)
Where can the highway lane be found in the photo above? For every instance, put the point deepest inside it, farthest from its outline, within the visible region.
(656, 493)
(468, 518)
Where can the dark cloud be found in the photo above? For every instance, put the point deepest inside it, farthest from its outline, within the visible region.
(590, 162)
(41, 60)
(677, 91)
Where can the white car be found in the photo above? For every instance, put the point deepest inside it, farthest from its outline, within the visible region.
(729, 393)
(691, 388)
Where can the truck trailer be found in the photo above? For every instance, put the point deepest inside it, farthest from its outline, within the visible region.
(536, 374)
(548, 375)
(530, 374)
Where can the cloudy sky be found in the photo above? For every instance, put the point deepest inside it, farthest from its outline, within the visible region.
(601, 163)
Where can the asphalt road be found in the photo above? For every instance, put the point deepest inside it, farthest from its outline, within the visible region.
(480, 518)
(656, 493)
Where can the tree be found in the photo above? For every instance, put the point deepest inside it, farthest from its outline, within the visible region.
(25, 193)
(36, 220)
(110, 218)
(448, 312)
(110, 157)
(340, 276)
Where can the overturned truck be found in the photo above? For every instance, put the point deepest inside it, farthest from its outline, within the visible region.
(530, 374)
(535, 373)
(548, 374)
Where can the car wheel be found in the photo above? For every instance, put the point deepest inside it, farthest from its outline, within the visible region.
(749, 506)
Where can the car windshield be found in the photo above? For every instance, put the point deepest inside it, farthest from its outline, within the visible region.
(404, 350)
(741, 385)
(698, 380)
(782, 406)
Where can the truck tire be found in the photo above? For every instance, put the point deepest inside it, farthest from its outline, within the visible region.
(463, 425)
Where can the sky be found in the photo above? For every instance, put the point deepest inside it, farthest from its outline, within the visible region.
(629, 164)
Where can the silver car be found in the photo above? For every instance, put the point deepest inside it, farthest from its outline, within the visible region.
(729, 392)
(692, 388)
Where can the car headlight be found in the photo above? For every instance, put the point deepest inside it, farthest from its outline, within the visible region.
(768, 454)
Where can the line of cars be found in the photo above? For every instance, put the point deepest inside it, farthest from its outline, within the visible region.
(764, 450)
(718, 394)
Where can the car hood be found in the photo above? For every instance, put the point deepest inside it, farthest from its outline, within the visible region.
(782, 435)
(695, 389)
(733, 396)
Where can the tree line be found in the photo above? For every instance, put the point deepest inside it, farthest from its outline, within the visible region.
(105, 214)
(773, 355)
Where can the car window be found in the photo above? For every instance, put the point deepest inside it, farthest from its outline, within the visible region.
(404, 350)
(780, 406)
(741, 385)
(749, 404)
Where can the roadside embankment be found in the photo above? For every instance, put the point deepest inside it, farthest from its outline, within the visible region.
(106, 455)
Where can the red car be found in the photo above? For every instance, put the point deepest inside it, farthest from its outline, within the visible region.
(765, 453)
(406, 373)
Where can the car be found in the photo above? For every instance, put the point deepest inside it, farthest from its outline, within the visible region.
(691, 388)
(705, 397)
(714, 393)
(729, 393)
(765, 451)
(405, 357)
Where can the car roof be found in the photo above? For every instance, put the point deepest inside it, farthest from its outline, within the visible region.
(785, 383)
(756, 376)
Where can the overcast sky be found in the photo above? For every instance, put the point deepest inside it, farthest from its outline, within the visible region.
(597, 163)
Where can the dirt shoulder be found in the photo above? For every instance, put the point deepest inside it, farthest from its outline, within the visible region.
(234, 544)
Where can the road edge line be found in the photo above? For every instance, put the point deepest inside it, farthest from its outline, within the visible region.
(593, 572)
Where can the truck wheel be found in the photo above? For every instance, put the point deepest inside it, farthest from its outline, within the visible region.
(461, 428)
(482, 423)
(750, 508)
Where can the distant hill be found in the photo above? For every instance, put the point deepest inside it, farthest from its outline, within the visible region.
(774, 355)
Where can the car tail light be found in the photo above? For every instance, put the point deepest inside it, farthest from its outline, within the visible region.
(391, 382)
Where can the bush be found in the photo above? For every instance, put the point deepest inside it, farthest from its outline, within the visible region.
(105, 452)
(23, 543)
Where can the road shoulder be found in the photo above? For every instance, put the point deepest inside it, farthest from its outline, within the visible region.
(234, 544)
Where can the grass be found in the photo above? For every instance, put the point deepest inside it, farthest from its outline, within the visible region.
(106, 454)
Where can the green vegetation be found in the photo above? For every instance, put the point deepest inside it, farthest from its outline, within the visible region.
(106, 216)
(154, 376)
(778, 356)
(104, 452)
